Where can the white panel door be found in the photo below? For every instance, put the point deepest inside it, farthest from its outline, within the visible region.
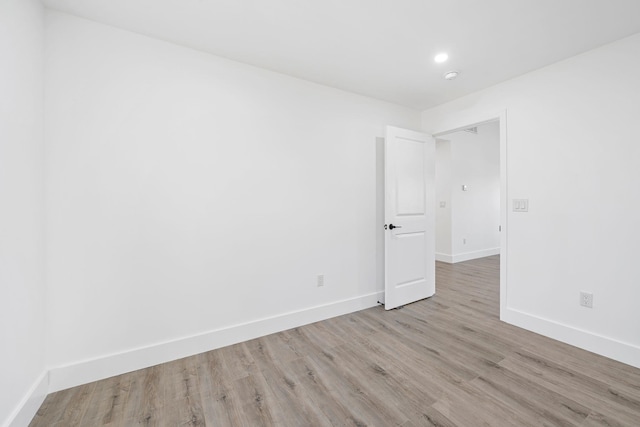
(409, 217)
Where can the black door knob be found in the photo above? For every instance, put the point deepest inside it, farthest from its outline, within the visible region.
(391, 226)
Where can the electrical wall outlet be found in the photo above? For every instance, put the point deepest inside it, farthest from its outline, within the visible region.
(586, 299)
(464, 241)
(320, 280)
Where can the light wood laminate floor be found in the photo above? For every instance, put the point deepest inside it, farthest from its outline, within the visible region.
(444, 361)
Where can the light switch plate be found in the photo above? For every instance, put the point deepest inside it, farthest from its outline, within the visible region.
(521, 205)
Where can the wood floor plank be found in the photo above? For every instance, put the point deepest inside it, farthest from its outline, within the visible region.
(186, 411)
(469, 406)
(257, 408)
(221, 405)
(364, 404)
(390, 385)
(422, 353)
(618, 420)
(295, 405)
(322, 336)
(440, 335)
(237, 361)
(529, 399)
(428, 383)
(446, 361)
(107, 407)
(52, 408)
(181, 380)
(318, 394)
(431, 417)
(151, 399)
(585, 390)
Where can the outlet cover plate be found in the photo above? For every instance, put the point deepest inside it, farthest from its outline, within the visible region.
(586, 299)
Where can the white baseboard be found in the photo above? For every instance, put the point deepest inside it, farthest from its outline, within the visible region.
(83, 372)
(466, 256)
(604, 346)
(30, 403)
(444, 258)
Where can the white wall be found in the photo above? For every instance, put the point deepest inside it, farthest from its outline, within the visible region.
(467, 226)
(572, 150)
(22, 293)
(188, 193)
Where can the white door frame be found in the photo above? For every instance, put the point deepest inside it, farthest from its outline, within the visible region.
(465, 121)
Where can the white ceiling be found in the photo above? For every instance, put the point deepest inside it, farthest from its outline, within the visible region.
(379, 48)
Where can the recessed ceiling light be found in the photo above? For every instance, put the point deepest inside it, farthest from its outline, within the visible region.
(441, 57)
(451, 75)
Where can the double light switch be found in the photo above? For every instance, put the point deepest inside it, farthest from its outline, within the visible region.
(521, 205)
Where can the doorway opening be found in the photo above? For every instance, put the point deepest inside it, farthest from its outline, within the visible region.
(471, 193)
(467, 213)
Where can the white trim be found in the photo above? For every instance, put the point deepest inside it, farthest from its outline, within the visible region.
(504, 210)
(604, 346)
(86, 371)
(455, 122)
(448, 258)
(467, 256)
(30, 403)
